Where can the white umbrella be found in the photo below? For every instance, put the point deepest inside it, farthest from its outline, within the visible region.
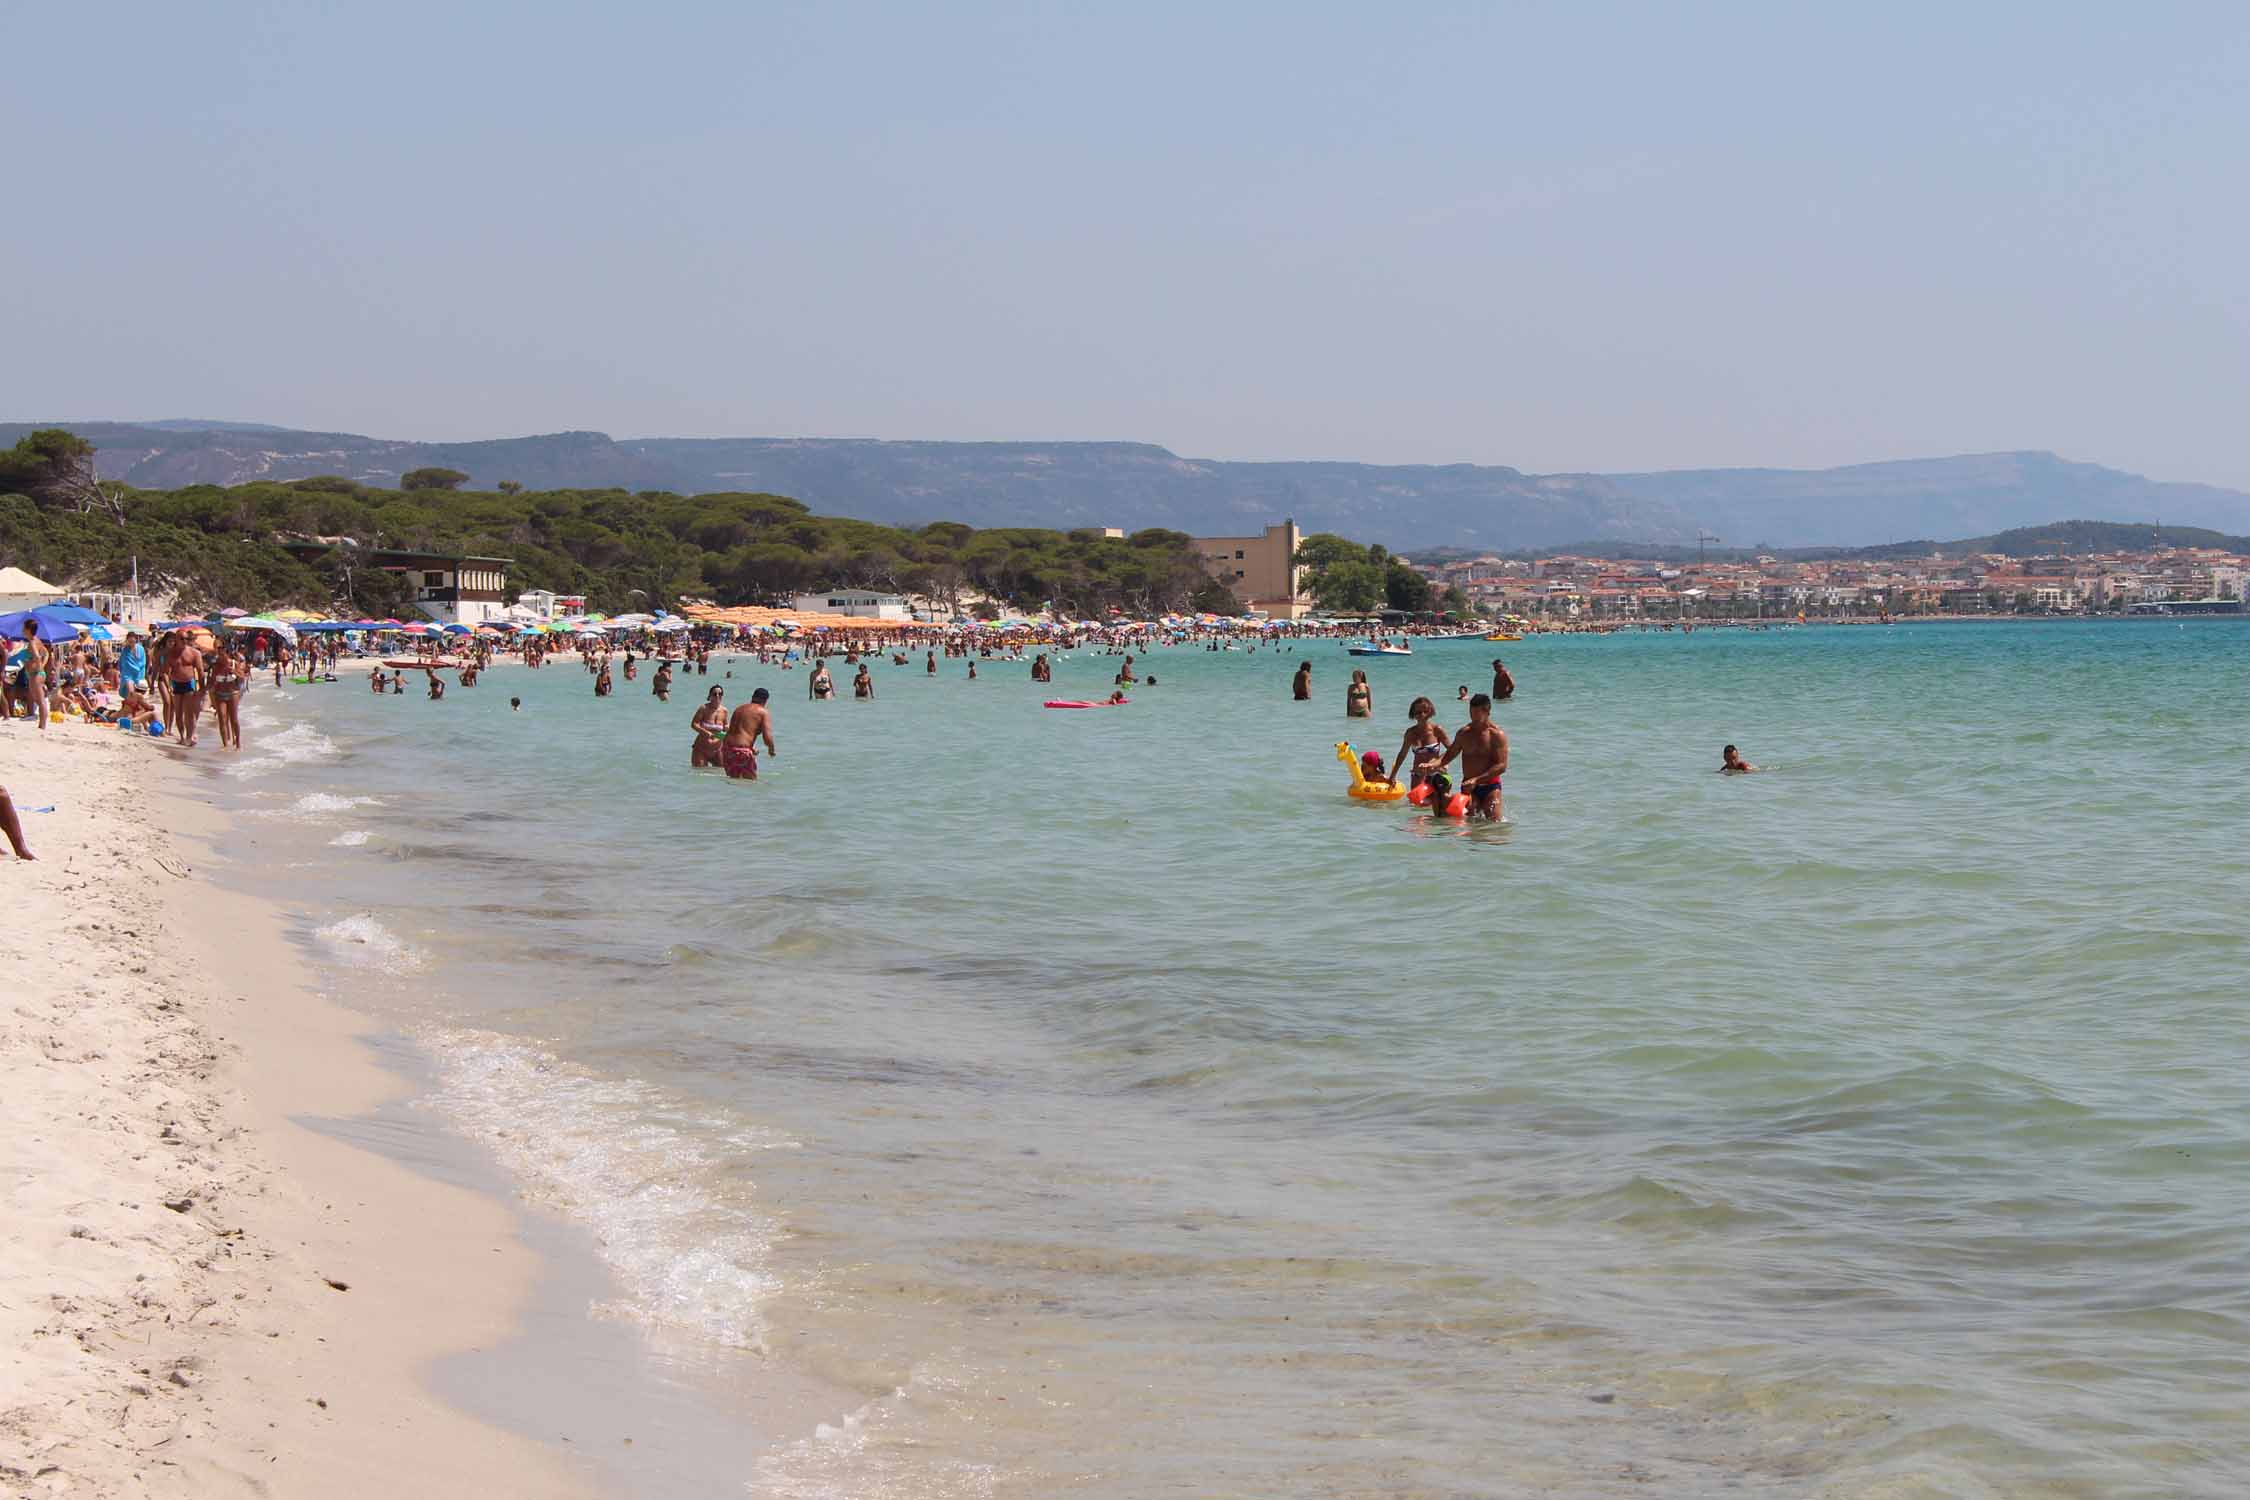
(282, 628)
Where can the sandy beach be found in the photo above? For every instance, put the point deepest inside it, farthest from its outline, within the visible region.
(199, 1293)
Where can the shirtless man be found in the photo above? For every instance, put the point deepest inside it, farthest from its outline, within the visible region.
(739, 751)
(1483, 749)
(1503, 684)
(183, 675)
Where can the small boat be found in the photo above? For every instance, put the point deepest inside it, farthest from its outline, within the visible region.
(1374, 648)
(1502, 635)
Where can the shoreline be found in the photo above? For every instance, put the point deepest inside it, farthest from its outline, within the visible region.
(209, 1288)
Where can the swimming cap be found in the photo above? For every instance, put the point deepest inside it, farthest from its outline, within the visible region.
(1371, 760)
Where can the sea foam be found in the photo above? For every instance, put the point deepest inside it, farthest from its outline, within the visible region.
(365, 943)
(622, 1158)
(292, 746)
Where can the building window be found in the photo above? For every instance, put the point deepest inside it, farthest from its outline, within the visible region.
(433, 580)
(1238, 554)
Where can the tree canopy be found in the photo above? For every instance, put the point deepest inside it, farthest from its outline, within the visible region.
(1353, 579)
(219, 546)
(432, 479)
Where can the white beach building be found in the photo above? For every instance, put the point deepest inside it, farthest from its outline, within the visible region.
(861, 604)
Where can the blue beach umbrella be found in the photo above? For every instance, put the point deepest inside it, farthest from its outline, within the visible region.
(63, 616)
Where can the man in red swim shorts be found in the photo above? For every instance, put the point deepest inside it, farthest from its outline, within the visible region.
(738, 753)
(1483, 750)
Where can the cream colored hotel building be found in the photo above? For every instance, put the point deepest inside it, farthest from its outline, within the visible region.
(1260, 569)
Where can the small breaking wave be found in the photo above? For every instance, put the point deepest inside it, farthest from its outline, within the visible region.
(365, 943)
(292, 746)
(350, 839)
(319, 805)
(627, 1161)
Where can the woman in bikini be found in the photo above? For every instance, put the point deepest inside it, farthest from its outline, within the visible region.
(710, 725)
(228, 674)
(1424, 744)
(1359, 698)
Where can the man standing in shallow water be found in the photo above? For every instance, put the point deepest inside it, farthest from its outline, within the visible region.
(1483, 748)
(739, 752)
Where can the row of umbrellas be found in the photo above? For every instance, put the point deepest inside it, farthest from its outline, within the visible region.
(60, 622)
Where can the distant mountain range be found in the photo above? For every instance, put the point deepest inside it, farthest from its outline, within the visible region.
(1135, 485)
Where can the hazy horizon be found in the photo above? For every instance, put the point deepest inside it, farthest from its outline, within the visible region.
(1613, 240)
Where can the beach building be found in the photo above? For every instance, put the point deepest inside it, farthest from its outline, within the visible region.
(1261, 570)
(856, 604)
(449, 588)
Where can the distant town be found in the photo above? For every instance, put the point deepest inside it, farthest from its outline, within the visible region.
(2167, 580)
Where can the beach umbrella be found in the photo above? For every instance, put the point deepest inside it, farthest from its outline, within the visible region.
(264, 622)
(232, 613)
(456, 629)
(67, 614)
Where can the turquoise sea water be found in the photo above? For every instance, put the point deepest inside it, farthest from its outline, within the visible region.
(1118, 1110)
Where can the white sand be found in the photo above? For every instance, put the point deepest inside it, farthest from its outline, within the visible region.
(168, 1325)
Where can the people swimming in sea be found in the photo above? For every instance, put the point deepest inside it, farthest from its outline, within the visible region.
(709, 724)
(437, 687)
(1731, 763)
(863, 686)
(1359, 698)
(820, 685)
(603, 686)
(515, 705)
(972, 669)
(1423, 743)
(1503, 683)
(1300, 688)
(1118, 696)
(1041, 669)
(1125, 676)
(661, 684)
(1482, 747)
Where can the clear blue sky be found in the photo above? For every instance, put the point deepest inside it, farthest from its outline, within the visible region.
(1583, 236)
